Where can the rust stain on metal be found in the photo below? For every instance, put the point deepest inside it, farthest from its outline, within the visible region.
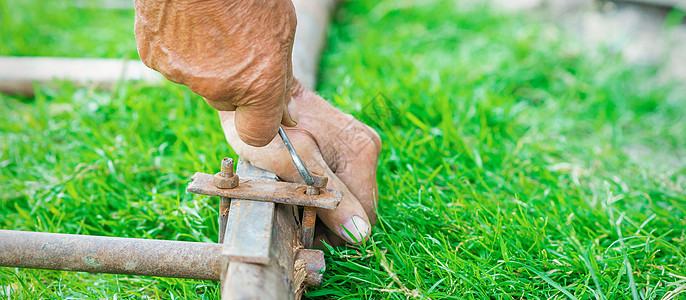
(226, 179)
(224, 204)
(309, 267)
(224, 207)
(320, 180)
(269, 191)
(315, 265)
(309, 219)
(310, 213)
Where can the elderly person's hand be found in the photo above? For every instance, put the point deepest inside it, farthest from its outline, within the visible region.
(331, 143)
(236, 54)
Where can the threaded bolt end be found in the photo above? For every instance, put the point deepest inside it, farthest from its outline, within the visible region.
(227, 167)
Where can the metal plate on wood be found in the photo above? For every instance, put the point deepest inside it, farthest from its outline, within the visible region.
(248, 231)
(269, 191)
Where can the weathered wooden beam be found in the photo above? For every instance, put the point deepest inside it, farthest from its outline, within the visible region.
(313, 20)
(262, 230)
(249, 225)
(18, 74)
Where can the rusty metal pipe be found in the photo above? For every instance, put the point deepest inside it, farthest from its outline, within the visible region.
(98, 254)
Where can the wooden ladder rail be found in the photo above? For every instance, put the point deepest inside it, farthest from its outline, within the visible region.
(260, 228)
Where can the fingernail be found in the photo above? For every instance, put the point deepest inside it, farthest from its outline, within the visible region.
(357, 227)
(293, 111)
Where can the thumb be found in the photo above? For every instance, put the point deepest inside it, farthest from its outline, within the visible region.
(257, 124)
(290, 114)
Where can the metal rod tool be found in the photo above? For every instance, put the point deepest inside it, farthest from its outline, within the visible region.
(297, 161)
(313, 188)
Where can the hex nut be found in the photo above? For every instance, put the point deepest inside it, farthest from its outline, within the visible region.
(320, 180)
(225, 182)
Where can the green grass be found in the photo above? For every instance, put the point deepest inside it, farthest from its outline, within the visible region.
(508, 167)
(59, 28)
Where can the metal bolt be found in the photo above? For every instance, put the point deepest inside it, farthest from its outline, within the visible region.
(312, 191)
(320, 182)
(226, 178)
(309, 219)
(310, 213)
(227, 167)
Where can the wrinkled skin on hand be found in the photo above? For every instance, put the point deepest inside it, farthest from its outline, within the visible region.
(331, 143)
(236, 54)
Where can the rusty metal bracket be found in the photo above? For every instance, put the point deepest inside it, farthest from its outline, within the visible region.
(310, 213)
(269, 191)
(308, 221)
(309, 269)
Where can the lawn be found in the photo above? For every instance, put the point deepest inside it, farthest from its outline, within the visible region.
(515, 163)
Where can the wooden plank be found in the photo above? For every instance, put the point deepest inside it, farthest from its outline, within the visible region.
(313, 20)
(274, 279)
(248, 231)
(18, 74)
(249, 225)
